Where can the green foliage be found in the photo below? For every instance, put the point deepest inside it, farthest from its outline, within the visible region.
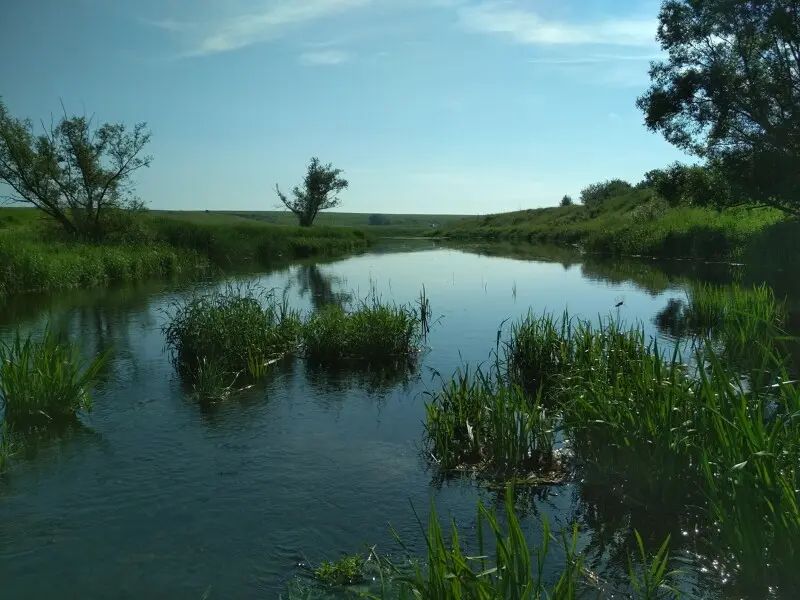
(566, 201)
(690, 185)
(45, 380)
(374, 333)
(216, 336)
(724, 90)
(596, 193)
(348, 570)
(319, 192)
(74, 172)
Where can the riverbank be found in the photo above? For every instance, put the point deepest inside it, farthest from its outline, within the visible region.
(638, 223)
(35, 256)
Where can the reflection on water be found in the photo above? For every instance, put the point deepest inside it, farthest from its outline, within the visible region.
(156, 497)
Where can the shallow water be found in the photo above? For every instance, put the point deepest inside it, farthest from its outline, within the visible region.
(156, 498)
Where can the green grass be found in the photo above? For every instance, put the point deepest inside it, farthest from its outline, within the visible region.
(374, 332)
(36, 256)
(637, 223)
(216, 336)
(45, 380)
(417, 223)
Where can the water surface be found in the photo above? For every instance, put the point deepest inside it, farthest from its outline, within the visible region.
(154, 497)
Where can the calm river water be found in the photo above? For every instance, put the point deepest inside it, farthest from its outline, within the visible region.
(155, 498)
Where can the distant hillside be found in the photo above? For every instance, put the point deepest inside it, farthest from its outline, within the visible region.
(329, 219)
(637, 222)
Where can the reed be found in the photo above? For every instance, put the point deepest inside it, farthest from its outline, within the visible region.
(505, 566)
(216, 336)
(45, 380)
(483, 423)
(375, 332)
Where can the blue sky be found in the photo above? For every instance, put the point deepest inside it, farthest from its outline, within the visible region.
(437, 106)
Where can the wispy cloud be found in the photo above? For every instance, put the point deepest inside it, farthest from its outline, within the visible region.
(527, 27)
(594, 59)
(270, 21)
(324, 57)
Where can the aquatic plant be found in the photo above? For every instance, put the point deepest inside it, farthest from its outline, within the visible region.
(480, 422)
(46, 379)
(505, 566)
(374, 332)
(237, 329)
(345, 571)
(538, 351)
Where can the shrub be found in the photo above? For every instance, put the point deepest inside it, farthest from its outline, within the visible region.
(596, 193)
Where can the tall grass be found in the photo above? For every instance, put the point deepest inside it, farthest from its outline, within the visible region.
(503, 565)
(45, 380)
(373, 332)
(483, 423)
(215, 336)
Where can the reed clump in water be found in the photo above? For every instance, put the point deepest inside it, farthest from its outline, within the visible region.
(216, 336)
(373, 332)
(481, 422)
(504, 565)
(45, 380)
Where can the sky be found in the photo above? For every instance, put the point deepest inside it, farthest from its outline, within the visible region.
(428, 106)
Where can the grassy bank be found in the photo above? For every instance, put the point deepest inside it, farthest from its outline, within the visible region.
(36, 256)
(638, 223)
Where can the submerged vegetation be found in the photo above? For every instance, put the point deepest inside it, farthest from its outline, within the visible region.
(45, 380)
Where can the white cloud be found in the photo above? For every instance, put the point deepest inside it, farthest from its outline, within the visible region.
(324, 57)
(595, 58)
(269, 21)
(527, 27)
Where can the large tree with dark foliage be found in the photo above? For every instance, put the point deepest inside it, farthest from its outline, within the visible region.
(319, 192)
(77, 173)
(729, 91)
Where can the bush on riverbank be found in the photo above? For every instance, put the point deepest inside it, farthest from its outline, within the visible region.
(46, 380)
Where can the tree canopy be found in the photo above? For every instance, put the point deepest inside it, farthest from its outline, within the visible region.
(729, 92)
(566, 200)
(74, 171)
(319, 192)
(595, 193)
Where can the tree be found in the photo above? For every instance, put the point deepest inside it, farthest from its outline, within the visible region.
(594, 194)
(566, 200)
(728, 92)
(697, 185)
(321, 185)
(76, 173)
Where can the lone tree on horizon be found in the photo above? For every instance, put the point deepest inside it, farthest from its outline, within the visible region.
(319, 191)
(76, 172)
